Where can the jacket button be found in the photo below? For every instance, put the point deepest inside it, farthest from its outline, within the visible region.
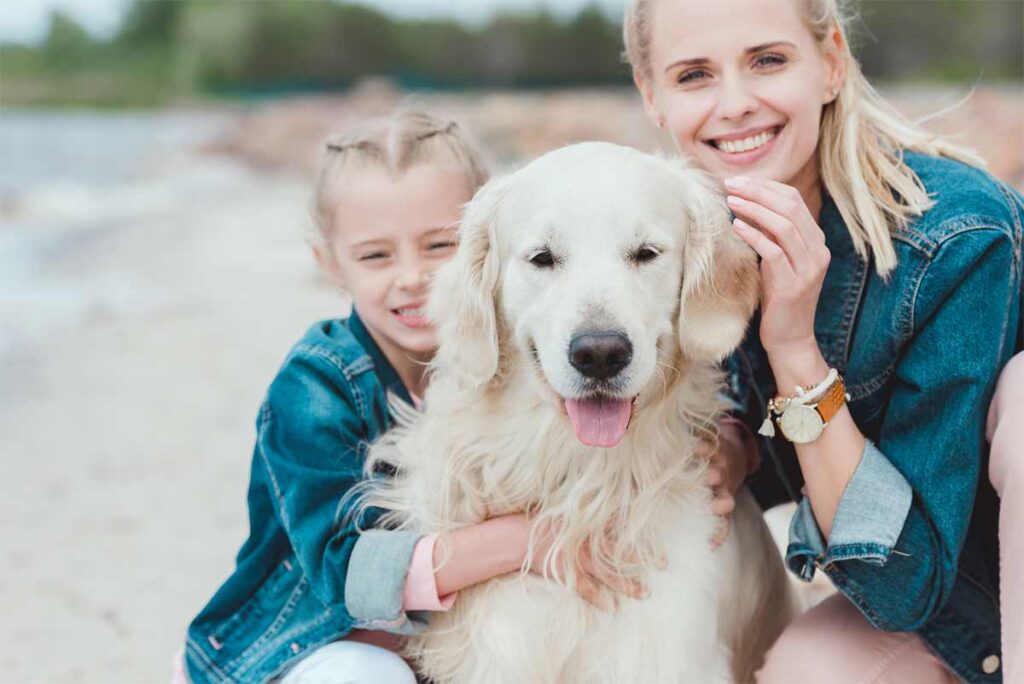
(296, 648)
(990, 665)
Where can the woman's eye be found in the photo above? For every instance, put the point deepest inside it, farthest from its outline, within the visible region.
(691, 76)
(770, 60)
(543, 259)
(436, 246)
(373, 256)
(644, 254)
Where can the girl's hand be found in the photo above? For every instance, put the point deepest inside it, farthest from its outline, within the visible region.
(728, 467)
(774, 220)
(591, 584)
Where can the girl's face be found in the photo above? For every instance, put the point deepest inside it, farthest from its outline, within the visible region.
(388, 236)
(740, 85)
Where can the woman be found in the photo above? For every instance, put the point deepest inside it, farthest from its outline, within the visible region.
(891, 299)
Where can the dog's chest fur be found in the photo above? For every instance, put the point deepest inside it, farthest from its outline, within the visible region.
(513, 452)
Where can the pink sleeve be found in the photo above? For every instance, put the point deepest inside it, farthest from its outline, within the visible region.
(420, 591)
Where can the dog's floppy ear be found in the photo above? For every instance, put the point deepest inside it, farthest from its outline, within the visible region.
(463, 300)
(721, 278)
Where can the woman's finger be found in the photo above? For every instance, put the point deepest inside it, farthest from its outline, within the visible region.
(784, 200)
(721, 534)
(723, 505)
(704, 449)
(773, 259)
(714, 476)
(779, 227)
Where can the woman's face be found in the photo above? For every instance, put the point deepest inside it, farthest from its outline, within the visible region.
(740, 85)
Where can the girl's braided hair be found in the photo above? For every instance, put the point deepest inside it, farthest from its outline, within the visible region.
(395, 143)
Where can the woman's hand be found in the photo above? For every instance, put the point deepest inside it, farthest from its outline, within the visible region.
(728, 466)
(774, 220)
(592, 584)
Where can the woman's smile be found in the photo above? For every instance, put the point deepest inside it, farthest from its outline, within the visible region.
(746, 148)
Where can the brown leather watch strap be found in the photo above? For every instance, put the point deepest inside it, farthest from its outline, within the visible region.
(833, 400)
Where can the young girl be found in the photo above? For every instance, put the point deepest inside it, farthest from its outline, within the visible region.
(891, 299)
(311, 599)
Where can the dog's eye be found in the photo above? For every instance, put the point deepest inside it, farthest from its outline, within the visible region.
(642, 255)
(543, 259)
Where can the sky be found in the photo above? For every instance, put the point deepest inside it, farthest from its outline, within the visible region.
(27, 21)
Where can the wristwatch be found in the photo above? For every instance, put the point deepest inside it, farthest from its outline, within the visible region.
(800, 422)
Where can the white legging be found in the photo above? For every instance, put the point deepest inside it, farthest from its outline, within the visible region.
(349, 662)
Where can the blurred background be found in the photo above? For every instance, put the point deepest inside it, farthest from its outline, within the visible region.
(155, 159)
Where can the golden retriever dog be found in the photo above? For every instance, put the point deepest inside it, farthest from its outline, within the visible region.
(581, 326)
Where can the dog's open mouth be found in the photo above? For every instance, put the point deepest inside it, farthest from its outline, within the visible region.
(599, 420)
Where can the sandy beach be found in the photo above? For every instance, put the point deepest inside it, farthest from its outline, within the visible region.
(143, 313)
(126, 419)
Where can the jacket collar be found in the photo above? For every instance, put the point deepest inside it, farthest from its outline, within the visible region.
(842, 289)
(385, 371)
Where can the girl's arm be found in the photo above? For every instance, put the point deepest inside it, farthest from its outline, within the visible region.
(307, 451)
(477, 553)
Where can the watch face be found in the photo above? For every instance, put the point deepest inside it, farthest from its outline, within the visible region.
(801, 424)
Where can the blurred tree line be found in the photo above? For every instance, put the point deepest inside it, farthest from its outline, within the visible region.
(169, 49)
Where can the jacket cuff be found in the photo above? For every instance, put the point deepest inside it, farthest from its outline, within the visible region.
(869, 520)
(375, 581)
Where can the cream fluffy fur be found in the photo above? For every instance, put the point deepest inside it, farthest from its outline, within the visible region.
(495, 438)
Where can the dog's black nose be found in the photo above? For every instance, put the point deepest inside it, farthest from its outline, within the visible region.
(600, 355)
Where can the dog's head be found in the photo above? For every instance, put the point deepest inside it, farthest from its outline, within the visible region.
(599, 267)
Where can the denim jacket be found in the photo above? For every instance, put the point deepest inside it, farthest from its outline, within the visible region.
(913, 543)
(305, 577)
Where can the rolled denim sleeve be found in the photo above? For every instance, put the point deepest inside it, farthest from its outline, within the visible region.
(310, 445)
(869, 520)
(374, 587)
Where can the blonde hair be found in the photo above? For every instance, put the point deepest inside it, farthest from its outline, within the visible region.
(861, 141)
(395, 143)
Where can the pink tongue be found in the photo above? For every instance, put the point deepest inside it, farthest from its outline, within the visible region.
(599, 421)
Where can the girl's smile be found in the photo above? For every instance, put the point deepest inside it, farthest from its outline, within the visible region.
(412, 315)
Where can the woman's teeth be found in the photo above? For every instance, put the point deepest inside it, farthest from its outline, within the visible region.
(746, 144)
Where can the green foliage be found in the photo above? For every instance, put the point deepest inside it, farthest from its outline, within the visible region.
(172, 48)
(67, 44)
(151, 23)
(952, 40)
